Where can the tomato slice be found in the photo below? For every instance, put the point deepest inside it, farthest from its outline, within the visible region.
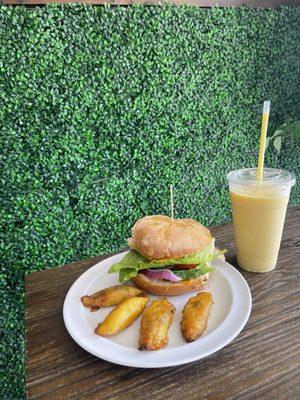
(184, 266)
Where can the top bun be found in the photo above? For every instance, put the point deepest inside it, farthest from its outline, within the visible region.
(158, 237)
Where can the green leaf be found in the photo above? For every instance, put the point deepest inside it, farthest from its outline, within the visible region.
(126, 273)
(268, 140)
(278, 143)
(278, 132)
(296, 130)
(133, 262)
(194, 272)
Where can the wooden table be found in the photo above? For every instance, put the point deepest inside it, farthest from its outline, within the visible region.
(263, 362)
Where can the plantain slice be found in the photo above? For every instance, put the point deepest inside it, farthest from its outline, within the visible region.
(195, 316)
(110, 296)
(155, 324)
(123, 315)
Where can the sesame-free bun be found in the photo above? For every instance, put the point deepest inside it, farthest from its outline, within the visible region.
(165, 288)
(158, 237)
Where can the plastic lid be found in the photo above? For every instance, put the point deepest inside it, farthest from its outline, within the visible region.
(273, 179)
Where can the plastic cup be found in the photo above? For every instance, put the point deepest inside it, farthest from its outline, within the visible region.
(258, 211)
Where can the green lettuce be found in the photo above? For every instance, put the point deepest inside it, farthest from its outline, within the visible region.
(193, 272)
(133, 262)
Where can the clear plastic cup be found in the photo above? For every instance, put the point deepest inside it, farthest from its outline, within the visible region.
(258, 211)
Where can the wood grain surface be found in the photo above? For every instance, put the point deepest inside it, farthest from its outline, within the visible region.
(263, 362)
(199, 3)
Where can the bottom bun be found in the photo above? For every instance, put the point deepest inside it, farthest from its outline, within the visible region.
(165, 288)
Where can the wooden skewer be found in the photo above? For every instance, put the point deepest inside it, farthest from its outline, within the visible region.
(171, 201)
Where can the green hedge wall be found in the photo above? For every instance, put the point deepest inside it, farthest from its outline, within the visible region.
(101, 108)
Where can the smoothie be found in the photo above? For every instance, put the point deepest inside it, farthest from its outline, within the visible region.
(258, 211)
(258, 224)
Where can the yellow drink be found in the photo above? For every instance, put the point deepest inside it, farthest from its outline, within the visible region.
(258, 223)
(258, 210)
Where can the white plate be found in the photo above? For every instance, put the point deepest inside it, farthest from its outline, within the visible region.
(229, 314)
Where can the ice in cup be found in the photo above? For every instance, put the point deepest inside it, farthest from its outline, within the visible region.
(258, 211)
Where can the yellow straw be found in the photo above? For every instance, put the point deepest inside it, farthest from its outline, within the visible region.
(263, 137)
(171, 201)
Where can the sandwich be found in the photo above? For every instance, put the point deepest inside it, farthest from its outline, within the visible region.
(167, 256)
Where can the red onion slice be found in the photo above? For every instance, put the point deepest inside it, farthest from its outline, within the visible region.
(165, 274)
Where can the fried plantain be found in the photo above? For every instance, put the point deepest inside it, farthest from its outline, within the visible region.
(110, 296)
(123, 315)
(195, 316)
(155, 324)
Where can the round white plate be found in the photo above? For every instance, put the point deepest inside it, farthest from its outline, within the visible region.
(229, 314)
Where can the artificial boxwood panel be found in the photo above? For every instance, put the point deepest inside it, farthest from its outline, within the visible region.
(102, 108)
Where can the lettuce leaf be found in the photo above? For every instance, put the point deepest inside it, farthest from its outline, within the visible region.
(194, 272)
(133, 262)
(126, 273)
